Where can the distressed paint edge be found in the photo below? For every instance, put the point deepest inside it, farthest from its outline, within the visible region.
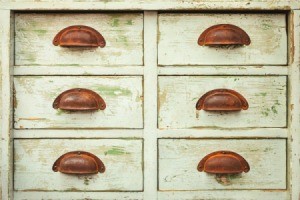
(148, 6)
(293, 165)
(7, 115)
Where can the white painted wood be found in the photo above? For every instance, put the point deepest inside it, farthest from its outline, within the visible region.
(220, 133)
(178, 160)
(6, 123)
(178, 96)
(150, 112)
(225, 195)
(34, 159)
(178, 36)
(78, 133)
(151, 5)
(293, 105)
(123, 34)
(19, 195)
(82, 70)
(223, 70)
(35, 94)
(1, 34)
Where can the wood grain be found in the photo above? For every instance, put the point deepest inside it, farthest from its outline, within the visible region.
(178, 160)
(178, 36)
(178, 96)
(34, 96)
(34, 159)
(34, 34)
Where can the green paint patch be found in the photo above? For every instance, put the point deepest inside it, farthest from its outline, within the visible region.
(115, 22)
(261, 94)
(274, 110)
(60, 112)
(236, 79)
(40, 32)
(267, 149)
(266, 26)
(129, 22)
(116, 151)
(266, 112)
(112, 91)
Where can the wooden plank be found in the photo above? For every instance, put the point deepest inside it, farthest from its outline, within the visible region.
(107, 133)
(179, 46)
(225, 195)
(232, 5)
(223, 70)
(178, 96)
(222, 133)
(7, 116)
(75, 70)
(150, 112)
(178, 160)
(293, 106)
(19, 195)
(34, 159)
(123, 34)
(1, 102)
(35, 95)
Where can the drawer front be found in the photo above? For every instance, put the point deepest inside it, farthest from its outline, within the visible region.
(34, 159)
(178, 96)
(179, 33)
(34, 96)
(178, 160)
(34, 33)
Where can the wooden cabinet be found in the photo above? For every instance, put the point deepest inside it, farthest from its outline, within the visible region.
(179, 99)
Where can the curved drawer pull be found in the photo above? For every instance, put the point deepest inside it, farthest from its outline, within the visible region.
(224, 34)
(79, 99)
(222, 100)
(78, 162)
(79, 36)
(223, 162)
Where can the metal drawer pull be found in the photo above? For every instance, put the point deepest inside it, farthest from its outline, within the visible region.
(79, 99)
(78, 162)
(224, 34)
(223, 162)
(79, 36)
(222, 100)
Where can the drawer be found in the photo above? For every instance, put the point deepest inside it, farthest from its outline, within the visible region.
(123, 34)
(34, 158)
(35, 95)
(179, 158)
(179, 33)
(178, 96)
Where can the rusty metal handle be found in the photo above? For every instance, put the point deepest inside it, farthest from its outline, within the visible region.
(222, 100)
(79, 99)
(78, 162)
(223, 34)
(223, 162)
(79, 36)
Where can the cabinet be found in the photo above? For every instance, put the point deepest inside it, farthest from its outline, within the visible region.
(193, 100)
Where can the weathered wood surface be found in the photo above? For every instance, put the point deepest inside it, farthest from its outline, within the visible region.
(178, 96)
(178, 160)
(150, 4)
(224, 195)
(20, 195)
(34, 158)
(34, 34)
(178, 36)
(34, 96)
(1, 106)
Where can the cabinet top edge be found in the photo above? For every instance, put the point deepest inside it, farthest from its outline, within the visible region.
(154, 5)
